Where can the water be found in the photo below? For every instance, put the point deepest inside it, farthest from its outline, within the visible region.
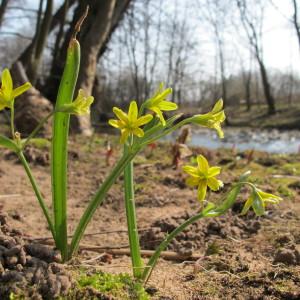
(273, 141)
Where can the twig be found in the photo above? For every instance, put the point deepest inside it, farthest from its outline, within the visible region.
(123, 250)
(94, 258)
(79, 22)
(286, 176)
(87, 234)
(10, 196)
(168, 255)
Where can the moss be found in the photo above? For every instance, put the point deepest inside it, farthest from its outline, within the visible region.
(121, 285)
(291, 169)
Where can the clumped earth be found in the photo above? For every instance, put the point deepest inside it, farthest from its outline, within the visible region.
(28, 269)
(241, 257)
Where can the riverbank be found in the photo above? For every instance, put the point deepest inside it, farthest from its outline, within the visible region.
(241, 256)
(286, 117)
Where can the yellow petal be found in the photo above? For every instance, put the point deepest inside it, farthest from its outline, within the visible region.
(191, 171)
(214, 184)
(218, 106)
(138, 132)
(143, 120)
(192, 181)
(220, 116)
(214, 171)
(2, 105)
(167, 105)
(202, 187)
(7, 84)
(21, 89)
(124, 135)
(120, 114)
(159, 114)
(116, 123)
(219, 130)
(268, 197)
(202, 164)
(247, 205)
(133, 111)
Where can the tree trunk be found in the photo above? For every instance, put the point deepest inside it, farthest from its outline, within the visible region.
(267, 88)
(103, 18)
(248, 92)
(295, 20)
(31, 107)
(3, 7)
(31, 57)
(90, 46)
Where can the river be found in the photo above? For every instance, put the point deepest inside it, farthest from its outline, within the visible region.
(273, 140)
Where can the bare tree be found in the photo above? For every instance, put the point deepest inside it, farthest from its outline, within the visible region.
(295, 20)
(3, 7)
(216, 12)
(253, 27)
(32, 55)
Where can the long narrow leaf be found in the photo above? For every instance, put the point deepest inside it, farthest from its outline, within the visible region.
(8, 143)
(59, 146)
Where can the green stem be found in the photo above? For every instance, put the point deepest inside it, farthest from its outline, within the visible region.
(137, 262)
(12, 120)
(37, 192)
(163, 245)
(214, 212)
(164, 133)
(37, 128)
(98, 198)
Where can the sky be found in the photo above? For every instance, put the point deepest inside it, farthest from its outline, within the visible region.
(280, 44)
(281, 49)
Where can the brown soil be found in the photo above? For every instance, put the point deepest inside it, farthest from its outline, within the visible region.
(242, 257)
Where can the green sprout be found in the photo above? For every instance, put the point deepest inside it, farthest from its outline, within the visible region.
(138, 129)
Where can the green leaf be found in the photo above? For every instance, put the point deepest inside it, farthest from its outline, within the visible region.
(258, 204)
(210, 206)
(245, 176)
(8, 143)
(40, 143)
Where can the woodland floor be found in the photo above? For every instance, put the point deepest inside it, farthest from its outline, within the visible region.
(241, 257)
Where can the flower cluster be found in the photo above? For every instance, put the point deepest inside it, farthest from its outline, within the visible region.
(130, 124)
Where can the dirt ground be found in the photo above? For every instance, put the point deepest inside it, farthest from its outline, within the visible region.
(241, 257)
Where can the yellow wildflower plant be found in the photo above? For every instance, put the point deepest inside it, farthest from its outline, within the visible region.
(80, 106)
(213, 119)
(129, 123)
(158, 103)
(258, 200)
(7, 92)
(203, 176)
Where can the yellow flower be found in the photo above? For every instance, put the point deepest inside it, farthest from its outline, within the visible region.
(213, 119)
(158, 103)
(258, 200)
(203, 176)
(80, 106)
(7, 93)
(129, 123)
